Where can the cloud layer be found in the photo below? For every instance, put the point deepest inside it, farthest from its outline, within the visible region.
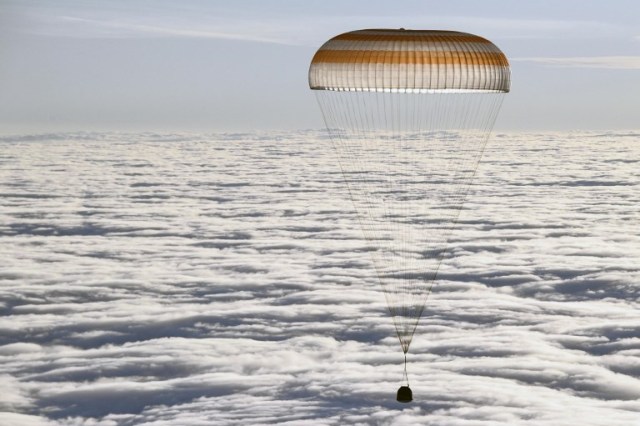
(222, 279)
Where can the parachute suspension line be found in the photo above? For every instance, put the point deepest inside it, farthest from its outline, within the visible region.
(409, 129)
(405, 375)
(408, 160)
(339, 120)
(480, 138)
(472, 165)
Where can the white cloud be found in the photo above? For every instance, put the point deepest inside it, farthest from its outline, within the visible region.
(297, 30)
(214, 29)
(17, 419)
(291, 27)
(199, 279)
(162, 22)
(606, 62)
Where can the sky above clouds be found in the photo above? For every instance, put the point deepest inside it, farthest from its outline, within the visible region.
(242, 65)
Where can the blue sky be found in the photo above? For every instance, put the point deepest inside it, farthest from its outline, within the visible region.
(242, 65)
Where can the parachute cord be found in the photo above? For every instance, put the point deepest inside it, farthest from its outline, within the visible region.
(405, 377)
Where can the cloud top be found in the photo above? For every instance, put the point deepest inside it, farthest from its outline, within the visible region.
(222, 279)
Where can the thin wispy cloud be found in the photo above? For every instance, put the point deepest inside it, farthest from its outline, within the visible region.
(511, 27)
(604, 62)
(106, 21)
(109, 28)
(301, 30)
(115, 22)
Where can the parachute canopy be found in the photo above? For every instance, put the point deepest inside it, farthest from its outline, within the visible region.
(407, 61)
(409, 113)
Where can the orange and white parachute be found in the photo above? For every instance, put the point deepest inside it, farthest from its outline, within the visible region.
(409, 113)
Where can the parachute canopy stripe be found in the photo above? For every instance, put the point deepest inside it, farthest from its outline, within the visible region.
(411, 61)
(409, 57)
(407, 45)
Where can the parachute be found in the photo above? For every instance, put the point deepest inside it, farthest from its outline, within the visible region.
(409, 113)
